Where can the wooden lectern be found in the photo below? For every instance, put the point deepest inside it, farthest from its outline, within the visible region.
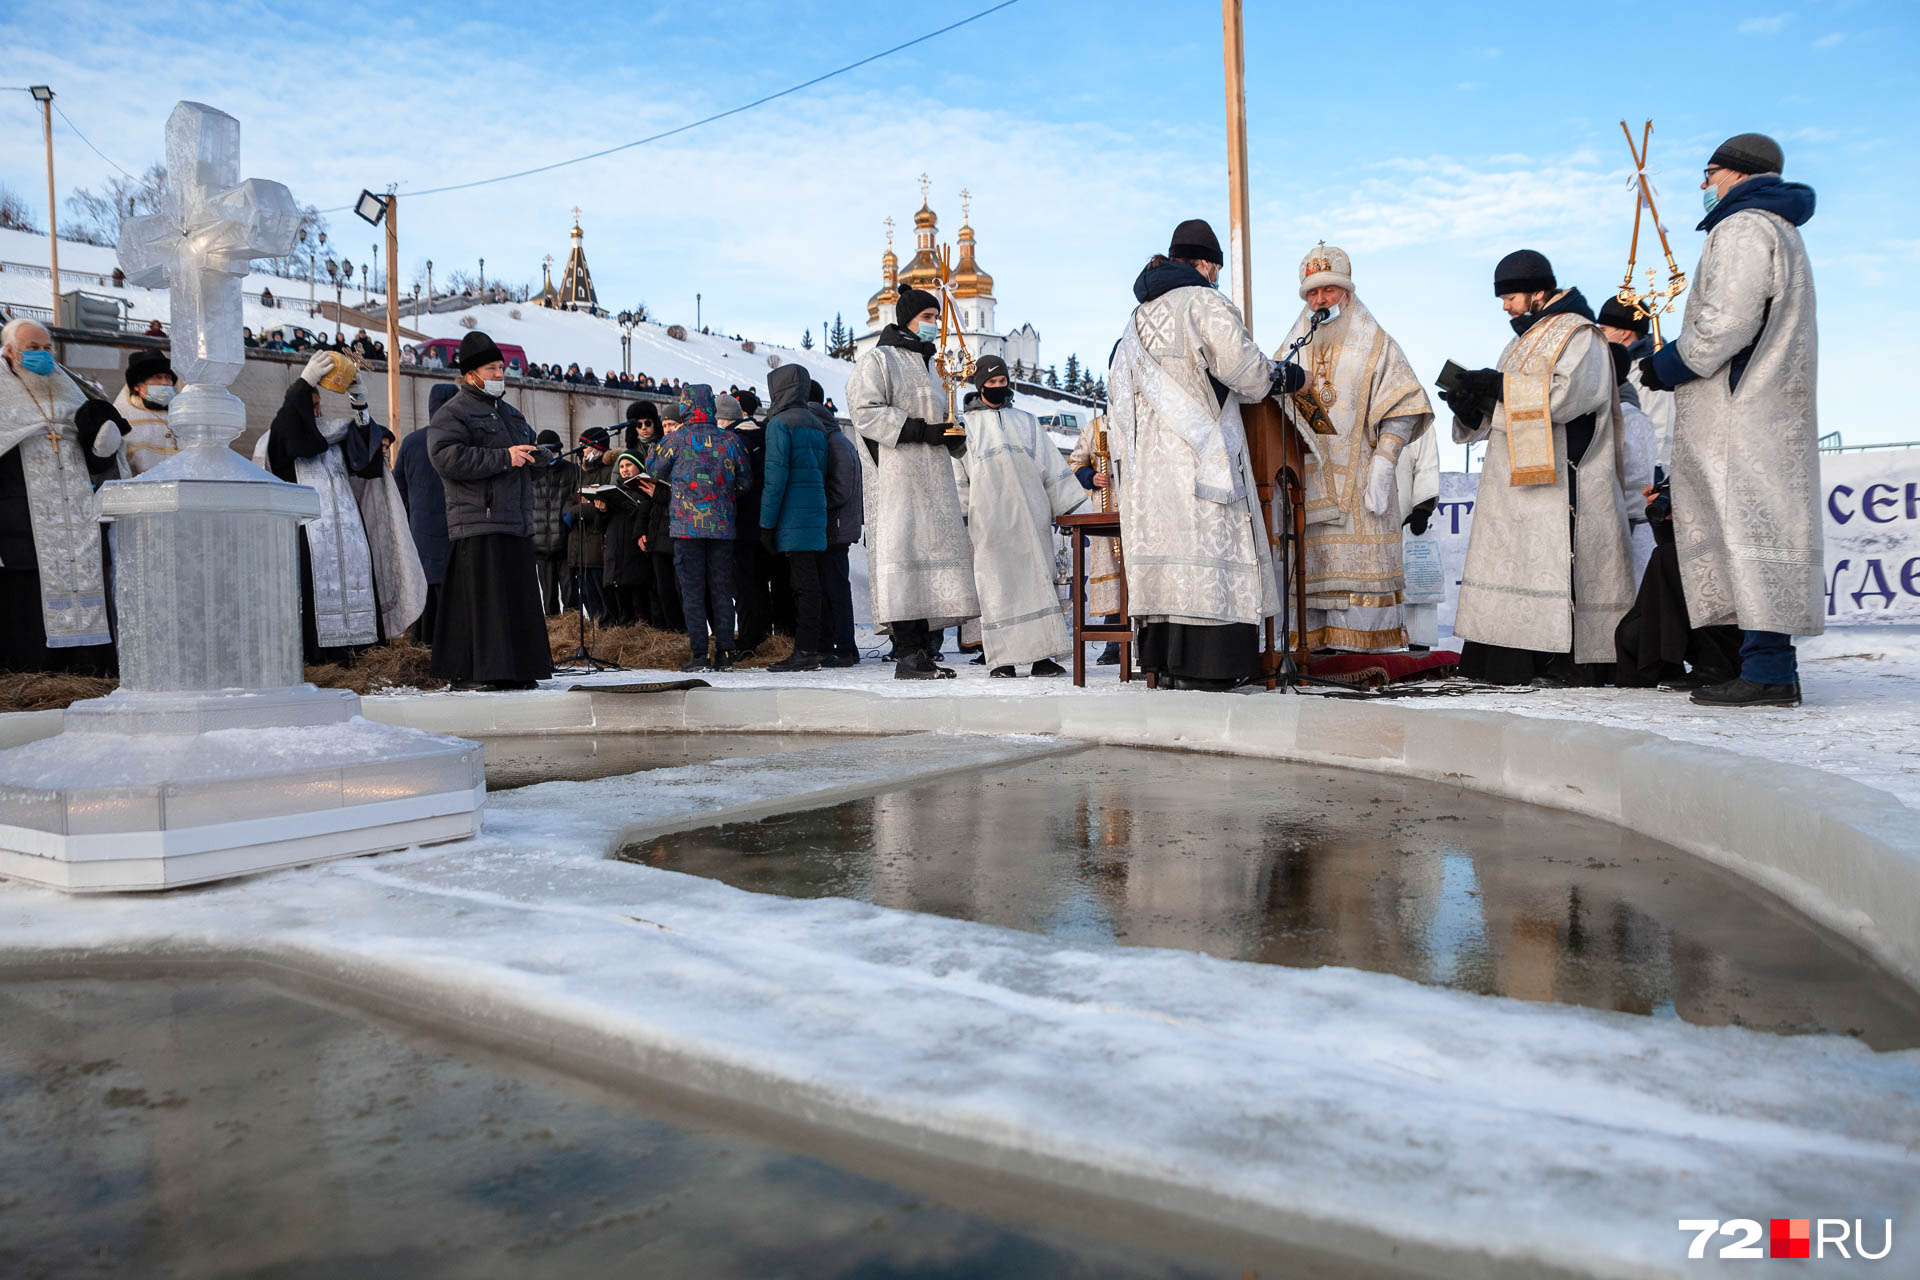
(1279, 465)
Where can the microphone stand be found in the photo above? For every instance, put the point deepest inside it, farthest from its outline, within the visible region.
(581, 659)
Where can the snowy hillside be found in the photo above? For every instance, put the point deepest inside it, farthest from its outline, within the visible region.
(550, 337)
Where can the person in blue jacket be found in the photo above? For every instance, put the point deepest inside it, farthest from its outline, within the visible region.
(793, 506)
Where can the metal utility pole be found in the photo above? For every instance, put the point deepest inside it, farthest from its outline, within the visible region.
(696, 312)
(393, 314)
(43, 95)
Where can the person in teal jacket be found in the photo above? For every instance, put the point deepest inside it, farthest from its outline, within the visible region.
(793, 506)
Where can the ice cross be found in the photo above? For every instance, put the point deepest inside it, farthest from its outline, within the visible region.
(199, 245)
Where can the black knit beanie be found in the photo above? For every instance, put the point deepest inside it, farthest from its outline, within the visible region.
(147, 364)
(989, 367)
(1749, 153)
(911, 304)
(476, 350)
(1616, 314)
(642, 410)
(1523, 271)
(1194, 241)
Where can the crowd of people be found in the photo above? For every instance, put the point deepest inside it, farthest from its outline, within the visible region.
(1643, 516)
(295, 341)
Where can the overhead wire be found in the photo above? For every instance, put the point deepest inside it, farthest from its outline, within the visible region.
(705, 120)
(83, 137)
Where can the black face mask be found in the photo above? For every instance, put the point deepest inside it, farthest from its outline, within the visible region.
(996, 396)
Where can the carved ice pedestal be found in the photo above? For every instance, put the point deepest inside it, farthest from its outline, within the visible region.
(166, 782)
(213, 759)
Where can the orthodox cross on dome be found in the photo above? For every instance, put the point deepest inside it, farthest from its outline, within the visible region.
(198, 246)
(889, 231)
(925, 184)
(966, 206)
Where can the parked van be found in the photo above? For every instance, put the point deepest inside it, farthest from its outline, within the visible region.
(444, 353)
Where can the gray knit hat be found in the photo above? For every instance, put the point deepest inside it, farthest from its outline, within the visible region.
(727, 409)
(1749, 153)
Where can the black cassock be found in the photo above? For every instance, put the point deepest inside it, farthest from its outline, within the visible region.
(295, 434)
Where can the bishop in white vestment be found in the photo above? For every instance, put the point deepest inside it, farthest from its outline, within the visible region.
(1360, 384)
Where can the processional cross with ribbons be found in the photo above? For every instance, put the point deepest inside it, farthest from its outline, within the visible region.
(199, 246)
(1655, 302)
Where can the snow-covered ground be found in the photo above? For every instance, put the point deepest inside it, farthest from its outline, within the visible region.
(1332, 1107)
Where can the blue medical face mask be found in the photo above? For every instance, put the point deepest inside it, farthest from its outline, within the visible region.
(1710, 198)
(927, 332)
(40, 362)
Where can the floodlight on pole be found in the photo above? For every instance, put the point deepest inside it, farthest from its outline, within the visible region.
(370, 207)
(43, 94)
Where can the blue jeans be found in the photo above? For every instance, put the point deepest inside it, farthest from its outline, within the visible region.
(704, 567)
(1766, 657)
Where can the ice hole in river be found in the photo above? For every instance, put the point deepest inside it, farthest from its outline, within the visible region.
(1304, 865)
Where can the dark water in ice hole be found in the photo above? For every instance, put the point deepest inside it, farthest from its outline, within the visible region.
(219, 1127)
(1305, 866)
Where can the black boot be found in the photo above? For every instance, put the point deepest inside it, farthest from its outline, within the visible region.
(798, 660)
(1048, 667)
(1109, 656)
(1745, 693)
(1002, 673)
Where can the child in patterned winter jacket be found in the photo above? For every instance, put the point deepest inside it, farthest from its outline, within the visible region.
(708, 469)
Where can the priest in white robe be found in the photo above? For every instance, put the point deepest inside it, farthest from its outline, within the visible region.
(1746, 463)
(361, 575)
(1548, 571)
(919, 559)
(1199, 567)
(1013, 483)
(143, 405)
(55, 445)
(1360, 384)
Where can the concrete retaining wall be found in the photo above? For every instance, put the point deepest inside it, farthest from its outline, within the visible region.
(263, 383)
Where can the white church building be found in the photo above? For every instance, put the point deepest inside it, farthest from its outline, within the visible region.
(972, 292)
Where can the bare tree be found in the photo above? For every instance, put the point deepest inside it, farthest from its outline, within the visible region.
(94, 217)
(15, 214)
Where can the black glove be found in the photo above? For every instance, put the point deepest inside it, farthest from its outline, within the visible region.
(1650, 377)
(1422, 512)
(1462, 408)
(915, 431)
(1287, 379)
(1483, 386)
(770, 539)
(956, 445)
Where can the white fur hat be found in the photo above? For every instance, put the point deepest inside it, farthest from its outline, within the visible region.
(1323, 265)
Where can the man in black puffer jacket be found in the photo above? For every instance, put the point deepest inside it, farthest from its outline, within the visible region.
(491, 632)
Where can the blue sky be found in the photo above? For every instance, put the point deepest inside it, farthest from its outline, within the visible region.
(1426, 139)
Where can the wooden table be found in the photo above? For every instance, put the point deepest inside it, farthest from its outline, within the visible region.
(1078, 528)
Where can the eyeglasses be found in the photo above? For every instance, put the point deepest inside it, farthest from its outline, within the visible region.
(1706, 174)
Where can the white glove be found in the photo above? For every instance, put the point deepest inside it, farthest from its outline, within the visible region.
(1379, 486)
(320, 366)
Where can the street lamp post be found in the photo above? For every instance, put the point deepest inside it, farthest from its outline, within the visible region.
(346, 278)
(333, 274)
(627, 319)
(429, 284)
(366, 298)
(483, 279)
(43, 94)
(416, 300)
(696, 313)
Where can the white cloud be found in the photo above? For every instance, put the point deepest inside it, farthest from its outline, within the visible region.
(1830, 40)
(1765, 26)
